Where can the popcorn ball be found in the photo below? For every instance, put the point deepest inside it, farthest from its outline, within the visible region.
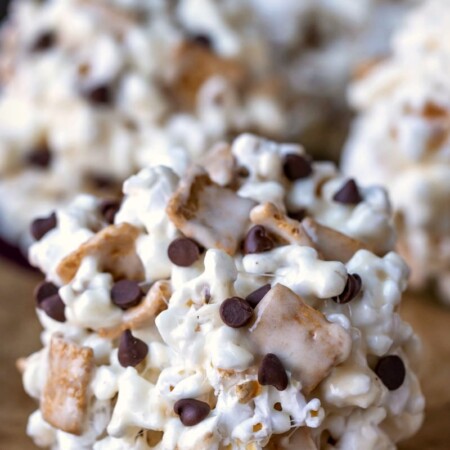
(92, 91)
(401, 139)
(251, 303)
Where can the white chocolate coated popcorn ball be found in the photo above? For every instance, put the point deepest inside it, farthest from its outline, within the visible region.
(202, 314)
(319, 45)
(401, 139)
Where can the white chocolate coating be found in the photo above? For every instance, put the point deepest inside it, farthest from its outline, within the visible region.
(192, 353)
(401, 139)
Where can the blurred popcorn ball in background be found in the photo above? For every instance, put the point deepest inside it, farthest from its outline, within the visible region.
(402, 140)
(95, 90)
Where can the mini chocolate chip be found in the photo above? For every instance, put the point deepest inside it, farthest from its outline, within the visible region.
(131, 350)
(331, 440)
(183, 252)
(256, 296)
(100, 95)
(243, 172)
(348, 194)
(236, 312)
(39, 157)
(54, 307)
(257, 240)
(42, 225)
(296, 167)
(351, 289)
(313, 37)
(108, 209)
(44, 41)
(102, 181)
(202, 39)
(191, 411)
(271, 372)
(299, 215)
(391, 371)
(126, 294)
(44, 290)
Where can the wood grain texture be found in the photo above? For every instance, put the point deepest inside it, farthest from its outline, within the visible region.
(19, 336)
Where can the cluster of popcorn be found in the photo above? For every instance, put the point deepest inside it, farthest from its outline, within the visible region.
(92, 91)
(251, 303)
(319, 46)
(402, 140)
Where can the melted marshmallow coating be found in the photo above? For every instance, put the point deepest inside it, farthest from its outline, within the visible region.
(401, 139)
(192, 353)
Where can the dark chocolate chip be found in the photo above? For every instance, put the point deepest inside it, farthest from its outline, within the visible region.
(299, 214)
(183, 252)
(108, 209)
(191, 411)
(45, 41)
(391, 371)
(126, 293)
(313, 37)
(201, 39)
(236, 312)
(102, 181)
(54, 307)
(257, 240)
(131, 350)
(348, 194)
(42, 225)
(351, 289)
(39, 157)
(256, 296)
(100, 95)
(296, 167)
(243, 172)
(331, 440)
(271, 372)
(44, 290)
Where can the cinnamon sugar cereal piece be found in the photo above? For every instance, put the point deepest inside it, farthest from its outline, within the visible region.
(65, 396)
(114, 246)
(213, 216)
(155, 301)
(330, 243)
(279, 224)
(194, 64)
(299, 440)
(307, 344)
(220, 164)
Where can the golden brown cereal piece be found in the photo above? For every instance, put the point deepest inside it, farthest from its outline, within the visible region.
(300, 439)
(213, 216)
(194, 64)
(220, 164)
(278, 224)
(307, 344)
(65, 396)
(114, 246)
(331, 244)
(155, 302)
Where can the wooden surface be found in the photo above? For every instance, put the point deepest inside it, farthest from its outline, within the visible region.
(19, 335)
